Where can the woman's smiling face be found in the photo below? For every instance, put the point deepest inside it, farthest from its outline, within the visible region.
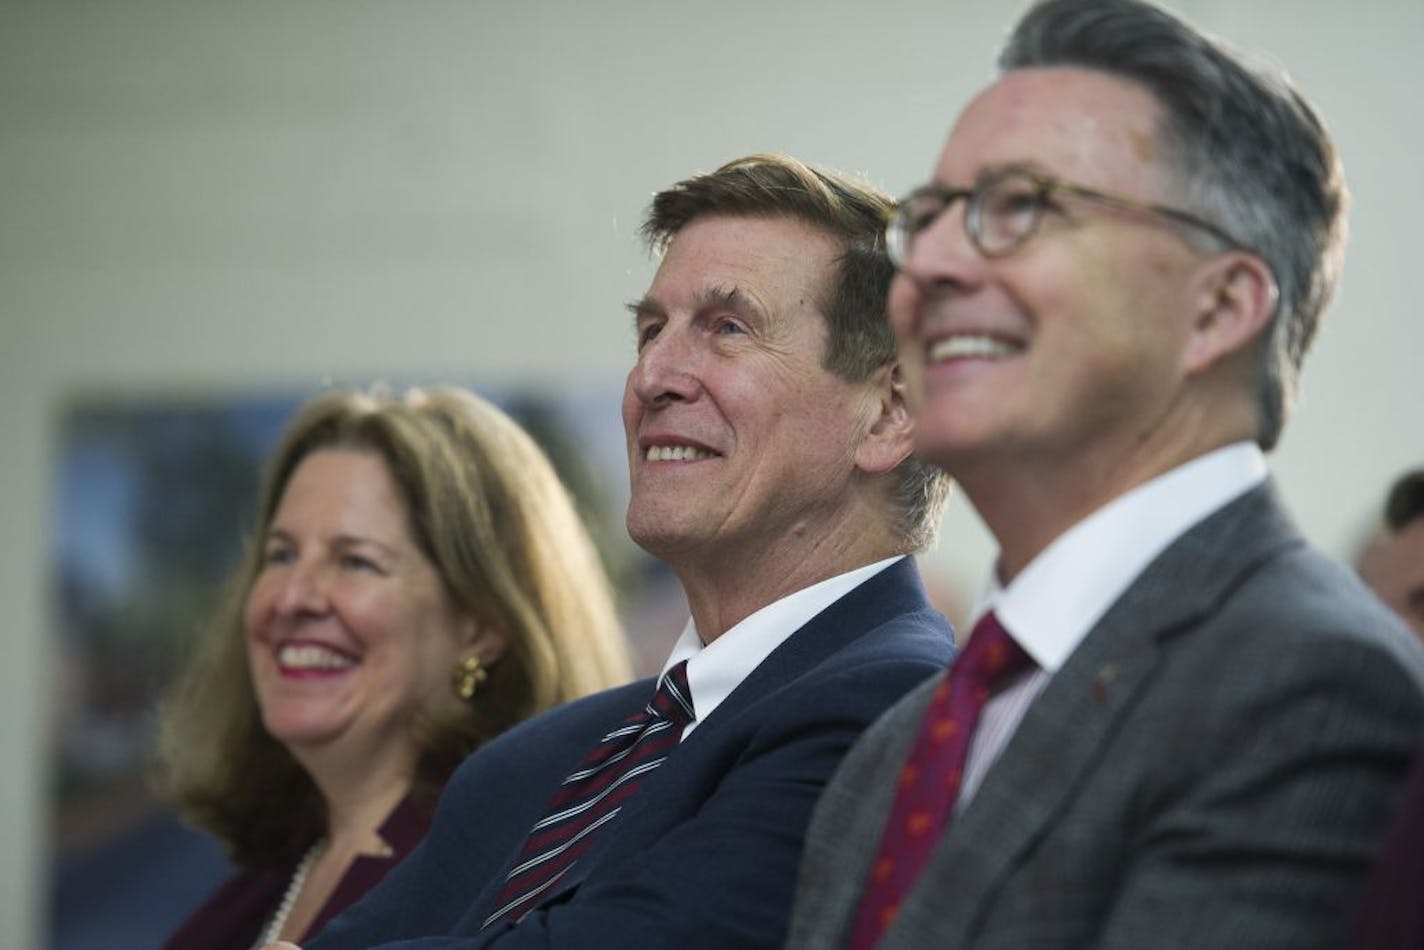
(349, 628)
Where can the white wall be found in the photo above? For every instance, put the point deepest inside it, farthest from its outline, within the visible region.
(209, 197)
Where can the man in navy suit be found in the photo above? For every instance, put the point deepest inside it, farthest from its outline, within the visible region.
(769, 452)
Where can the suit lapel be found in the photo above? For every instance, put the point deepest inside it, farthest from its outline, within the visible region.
(854, 808)
(623, 701)
(1067, 728)
(888, 594)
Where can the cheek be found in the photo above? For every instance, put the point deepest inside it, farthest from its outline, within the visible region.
(820, 448)
(630, 397)
(909, 350)
(1046, 281)
(423, 672)
(255, 608)
(1151, 290)
(414, 634)
(903, 305)
(438, 663)
(379, 619)
(632, 410)
(1081, 302)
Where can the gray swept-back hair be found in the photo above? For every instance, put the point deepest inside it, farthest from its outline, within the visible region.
(1245, 150)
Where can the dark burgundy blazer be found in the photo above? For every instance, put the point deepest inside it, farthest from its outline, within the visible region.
(236, 913)
(1392, 914)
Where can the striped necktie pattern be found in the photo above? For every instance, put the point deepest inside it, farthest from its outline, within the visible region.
(592, 796)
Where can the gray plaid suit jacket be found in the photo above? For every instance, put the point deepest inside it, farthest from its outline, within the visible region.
(1213, 767)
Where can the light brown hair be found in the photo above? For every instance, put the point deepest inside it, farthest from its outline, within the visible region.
(492, 518)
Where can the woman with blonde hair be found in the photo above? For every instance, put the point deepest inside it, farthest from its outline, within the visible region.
(418, 582)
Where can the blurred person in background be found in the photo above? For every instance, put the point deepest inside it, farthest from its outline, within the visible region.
(419, 582)
(1392, 564)
(1391, 916)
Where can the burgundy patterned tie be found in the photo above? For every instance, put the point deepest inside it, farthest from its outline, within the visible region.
(929, 782)
(592, 796)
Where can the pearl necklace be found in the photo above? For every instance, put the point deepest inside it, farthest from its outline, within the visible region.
(289, 899)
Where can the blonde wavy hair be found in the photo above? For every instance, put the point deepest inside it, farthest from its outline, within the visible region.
(487, 510)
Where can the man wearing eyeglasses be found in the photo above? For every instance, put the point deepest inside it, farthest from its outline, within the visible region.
(1174, 724)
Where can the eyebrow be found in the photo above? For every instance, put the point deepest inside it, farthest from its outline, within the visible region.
(275, 534)
(344, 541)
(341, 541)
(646, 307)
(1024, 166)
(727, 296)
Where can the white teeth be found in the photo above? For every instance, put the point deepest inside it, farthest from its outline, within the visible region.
(310, 656)
(676, 453)
(970, 345)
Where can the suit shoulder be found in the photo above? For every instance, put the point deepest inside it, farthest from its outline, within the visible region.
(1308, 603)
(905, 647)
(866, 676)
(917, 636)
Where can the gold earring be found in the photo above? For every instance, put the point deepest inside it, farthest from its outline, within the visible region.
(469, 674)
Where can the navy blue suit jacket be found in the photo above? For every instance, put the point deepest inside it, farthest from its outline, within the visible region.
(705, 854)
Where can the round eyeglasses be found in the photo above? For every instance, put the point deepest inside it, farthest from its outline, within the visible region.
(1004, 209)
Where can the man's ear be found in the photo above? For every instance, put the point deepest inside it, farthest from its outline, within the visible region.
(1236, 297)
(890, 437)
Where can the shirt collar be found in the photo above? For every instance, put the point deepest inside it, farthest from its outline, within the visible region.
(1053, 603)
(714, 670)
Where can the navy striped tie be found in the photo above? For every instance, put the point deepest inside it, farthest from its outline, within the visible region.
(592, 796)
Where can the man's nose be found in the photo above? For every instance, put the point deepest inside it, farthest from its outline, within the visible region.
(943, 247)
(667, 368)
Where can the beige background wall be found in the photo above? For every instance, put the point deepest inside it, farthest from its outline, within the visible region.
(215, 197)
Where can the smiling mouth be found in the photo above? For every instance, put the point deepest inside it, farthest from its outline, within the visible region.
(310, 658)
(971, 346)
(676, 453)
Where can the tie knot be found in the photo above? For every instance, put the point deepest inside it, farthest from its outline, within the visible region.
(991, 657)
(673, 700)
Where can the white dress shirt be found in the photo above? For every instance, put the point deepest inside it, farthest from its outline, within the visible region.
(717, 668)
(1052, 604)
